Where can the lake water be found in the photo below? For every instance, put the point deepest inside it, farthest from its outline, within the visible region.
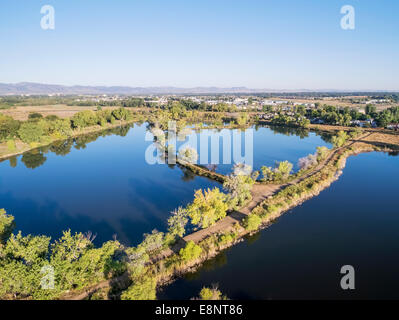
(269, 146)
(103, 184)
(354, 222)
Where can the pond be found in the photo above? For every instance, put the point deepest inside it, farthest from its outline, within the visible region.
(354, 222)
(269, 145)
(102, 183)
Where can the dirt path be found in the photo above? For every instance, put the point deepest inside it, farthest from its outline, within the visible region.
(260, 192)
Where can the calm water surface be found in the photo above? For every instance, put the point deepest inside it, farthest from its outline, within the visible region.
(103, 183)
(354, 222)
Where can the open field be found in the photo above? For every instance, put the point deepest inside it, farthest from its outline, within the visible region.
(62, 111)
(342, 102)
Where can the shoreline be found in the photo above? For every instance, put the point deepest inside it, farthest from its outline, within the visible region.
(82, 132)
(165, 266)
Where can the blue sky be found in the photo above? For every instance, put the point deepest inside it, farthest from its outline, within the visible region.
(279, 44)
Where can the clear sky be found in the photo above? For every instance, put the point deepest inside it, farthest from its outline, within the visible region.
(275, 44)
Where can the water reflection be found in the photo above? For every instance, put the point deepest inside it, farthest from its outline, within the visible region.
(36, 158)
(100, 182)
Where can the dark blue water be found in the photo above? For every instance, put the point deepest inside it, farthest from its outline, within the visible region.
(269, 145)
(354, 222)
(107, 188)
(103, 184)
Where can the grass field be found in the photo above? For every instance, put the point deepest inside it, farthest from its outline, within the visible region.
(62, 111)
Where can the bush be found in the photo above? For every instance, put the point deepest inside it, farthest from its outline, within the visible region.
(227, 238)
(322, 153)
(8, 127)
(211, 294)
(190, 252)
(35, 116)
(11, 145)
(252, 222)
(121, 114)
(31, 131)
(52, 117)
(6, 225)
(177, 222)
(60, 128)
(340, 139)
(142, 290)
(279, 173)
(84, 119)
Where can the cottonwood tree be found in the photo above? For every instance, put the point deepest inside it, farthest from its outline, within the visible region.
(208, 207)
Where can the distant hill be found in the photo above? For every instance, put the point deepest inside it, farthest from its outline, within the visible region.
(38, 88)
(44, 89)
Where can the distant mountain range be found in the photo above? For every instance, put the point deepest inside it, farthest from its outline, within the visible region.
(38, 88)
(44, 89)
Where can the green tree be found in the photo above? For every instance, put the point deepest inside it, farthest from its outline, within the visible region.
(84, 119)
(60, 128)
(121, 114)
(340, 139)
(7, 224)
(239, 188)
(152, 241)
(177, 222)
(11, 145)
(252, 222)
(207, 207)
(141, 290)
(8, 127)
(31, 132)
(190, 252)
(35, 116)
(211, 294)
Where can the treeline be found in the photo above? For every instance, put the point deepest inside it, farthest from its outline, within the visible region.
(39, 130)
(344, 116)
(37, 157)
(73, 263)
(297, 120)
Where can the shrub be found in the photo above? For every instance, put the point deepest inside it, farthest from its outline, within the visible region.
(190, 252)
(340, 139)
(152, 241)
(84, 119)
(177, 222)
(102, 122)
(239, 188)
(11, 145)
(142, 290)
(281, 172)
(210, 294)
(35, 116)
(31, 131)
(227, 238)
(322, 153)
(8, 127)
(121, 114)
(60, 128)
(252, 222)
(51, 117)
(6, 225)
